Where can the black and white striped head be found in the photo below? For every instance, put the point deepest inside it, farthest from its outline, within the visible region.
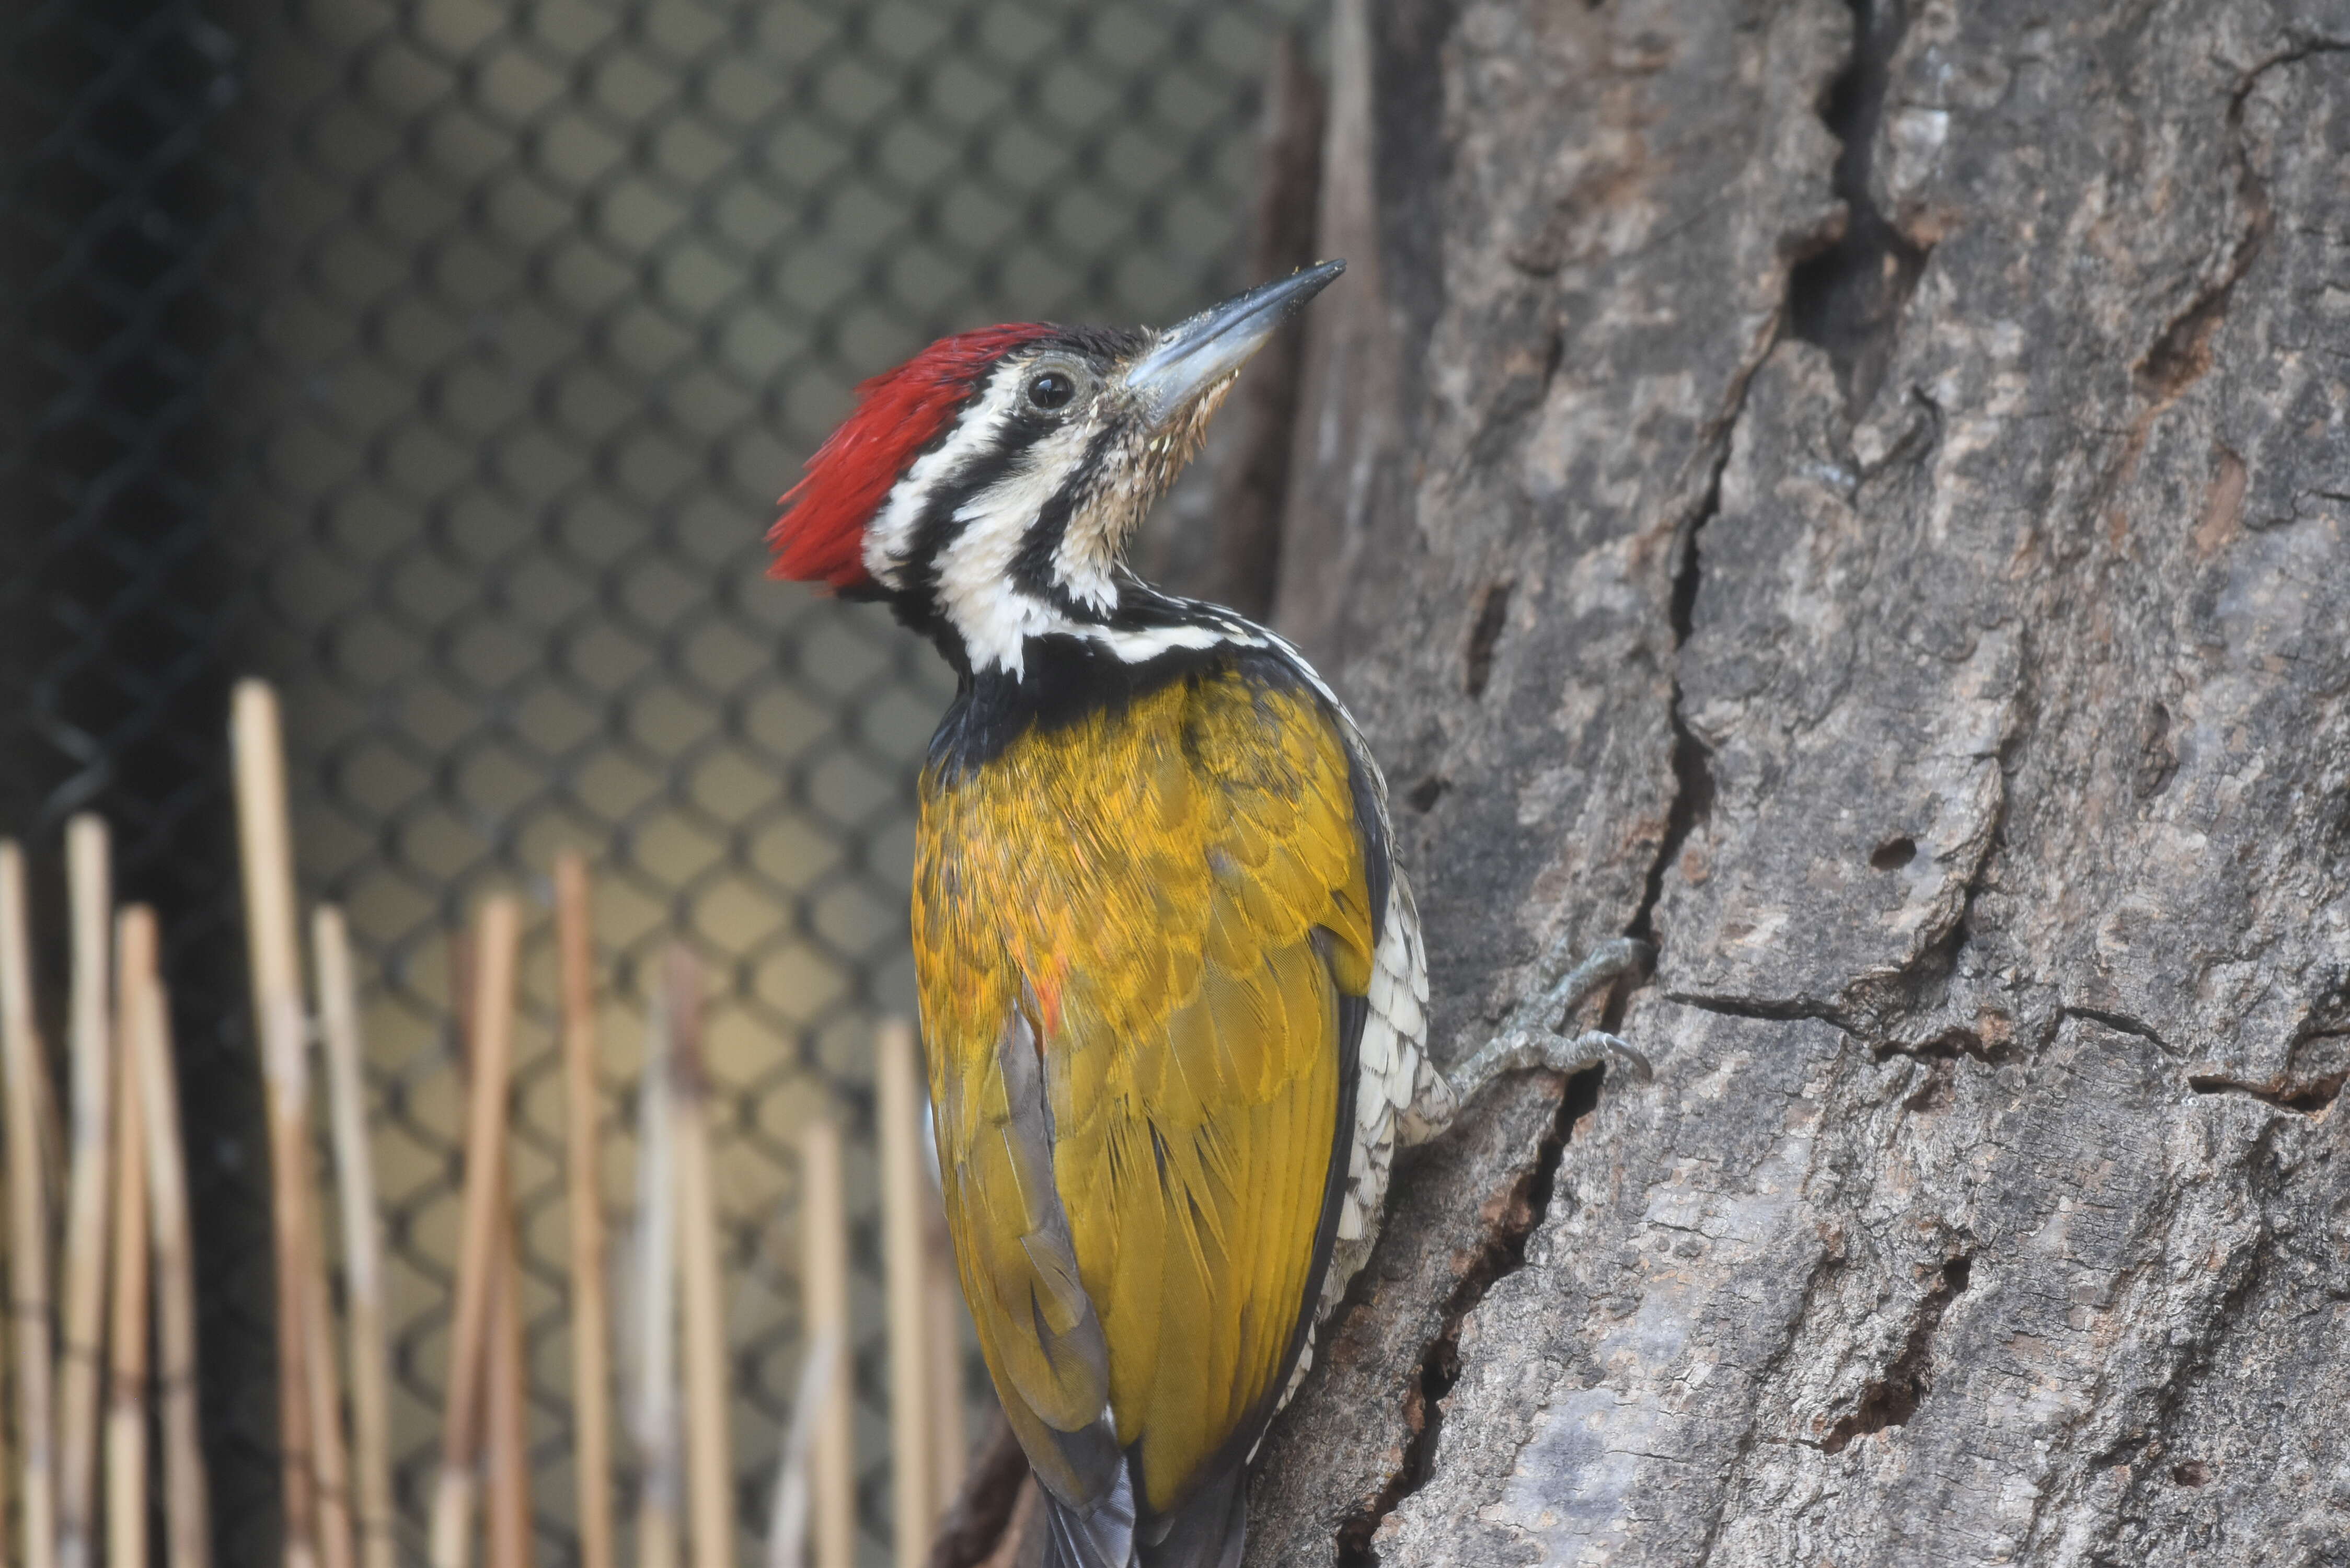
(987, 487)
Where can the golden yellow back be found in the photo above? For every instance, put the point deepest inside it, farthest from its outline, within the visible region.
(1164, 901)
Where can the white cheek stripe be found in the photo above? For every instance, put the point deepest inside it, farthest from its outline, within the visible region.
(891, 535)
(976, 591)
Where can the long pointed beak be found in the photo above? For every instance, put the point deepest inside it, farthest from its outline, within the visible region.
(1195, 354)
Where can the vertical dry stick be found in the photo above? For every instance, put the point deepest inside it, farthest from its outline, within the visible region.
(126, 1402)
(591, 1369)
(339, 1012)
(186, 1512)
(93, 1072)
(26, 1079)
(710, 1449)
(898, 1107)
(788, 1525)
(504, 1437)
(331, 1478)
(333, 1481)
(264, 839)
(943, 1350)
(49, 1126)
(9, 1487)
(505, 1420)
(824, 1307)
(492, 1036)
(654, 1415)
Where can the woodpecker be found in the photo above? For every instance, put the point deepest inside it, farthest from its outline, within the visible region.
(1171, 983)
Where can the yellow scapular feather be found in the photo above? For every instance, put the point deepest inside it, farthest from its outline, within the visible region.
(1165, 900)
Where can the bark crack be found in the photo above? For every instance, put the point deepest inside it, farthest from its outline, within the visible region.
(1692, 764)
(2308, 1097)
(1500, 1253)
(1847, 300)
(1778, 1010)
(1485, 635)
(1891, 1399)
(2181, 352)
(2121, 1022)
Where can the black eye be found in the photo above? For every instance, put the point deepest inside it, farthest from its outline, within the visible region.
(1052, 389)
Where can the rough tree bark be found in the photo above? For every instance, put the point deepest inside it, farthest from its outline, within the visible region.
(1863, 501)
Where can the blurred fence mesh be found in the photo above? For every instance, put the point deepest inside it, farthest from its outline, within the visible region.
(440, 360)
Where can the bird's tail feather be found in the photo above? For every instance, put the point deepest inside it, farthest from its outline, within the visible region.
(1101, 1536)
(1208, 1530)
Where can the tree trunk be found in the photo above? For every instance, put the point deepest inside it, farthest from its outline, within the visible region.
(1861, 500)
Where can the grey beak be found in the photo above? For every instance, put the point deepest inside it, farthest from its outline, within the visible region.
(1196, 353)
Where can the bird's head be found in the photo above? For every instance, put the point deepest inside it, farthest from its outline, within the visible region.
(987, 487)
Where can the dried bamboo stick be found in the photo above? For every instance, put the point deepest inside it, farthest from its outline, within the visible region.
(49, 1122)
(324, 1378)
(709, 1447)
(322, 1374)
(653, 1413)
(492, 1050)
(787, 1526)
(506, 1420)
(264, 837)
(898, 1107)
(187, 1513)
(943, 1349)
(824, 1307)
(26, 1078)
(90, 895)
(8, 1480)
(591, 1319)
(126, 1399)
(339, 1014)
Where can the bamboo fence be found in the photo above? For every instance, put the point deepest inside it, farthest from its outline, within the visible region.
(112, 1265)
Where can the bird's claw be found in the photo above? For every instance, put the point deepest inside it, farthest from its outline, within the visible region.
(1535, 1037)
(1603, 967)
(1597, 1048)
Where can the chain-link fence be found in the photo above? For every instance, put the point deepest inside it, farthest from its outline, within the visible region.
(440, 360)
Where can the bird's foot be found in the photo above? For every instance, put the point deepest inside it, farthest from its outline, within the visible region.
(1533, 1037)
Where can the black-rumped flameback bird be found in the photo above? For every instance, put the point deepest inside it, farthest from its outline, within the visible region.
(1171, 980)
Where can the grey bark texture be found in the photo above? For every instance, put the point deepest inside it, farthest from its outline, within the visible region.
(1864, 501)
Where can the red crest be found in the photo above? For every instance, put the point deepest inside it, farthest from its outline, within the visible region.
(821, 537)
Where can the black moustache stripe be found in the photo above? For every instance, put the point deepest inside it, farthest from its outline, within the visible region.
(1032, 567)
(979, 471)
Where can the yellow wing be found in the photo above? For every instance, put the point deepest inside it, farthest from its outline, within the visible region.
(1163, 904)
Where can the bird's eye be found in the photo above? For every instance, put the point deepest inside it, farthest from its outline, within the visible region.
(1052, 389)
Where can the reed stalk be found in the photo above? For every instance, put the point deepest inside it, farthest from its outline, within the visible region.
(492, 1052)
(346, 1055)
(265, 842)
(186, 1511)
(708, 1444)
(25, 1077)
(591, 1312)
(126, 1394)
(824, 1307)
(897, 1108)
(90, 899)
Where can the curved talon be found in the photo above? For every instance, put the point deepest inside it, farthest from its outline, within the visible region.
(1610, 1051)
